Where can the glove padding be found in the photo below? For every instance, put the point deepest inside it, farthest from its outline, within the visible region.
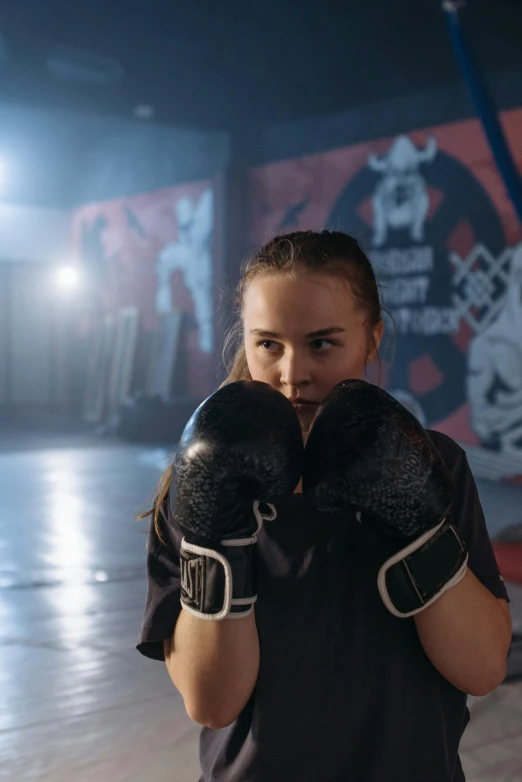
(243, 446)
(367, 453)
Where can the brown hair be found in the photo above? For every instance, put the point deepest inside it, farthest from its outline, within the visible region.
(312, 252)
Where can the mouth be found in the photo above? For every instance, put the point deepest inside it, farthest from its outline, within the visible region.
(305, 406)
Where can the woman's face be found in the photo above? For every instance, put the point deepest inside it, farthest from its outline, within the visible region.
(303, 335)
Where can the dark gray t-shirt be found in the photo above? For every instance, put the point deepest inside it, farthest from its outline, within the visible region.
(345, 691)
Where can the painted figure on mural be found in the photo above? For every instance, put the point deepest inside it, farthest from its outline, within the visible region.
(495, 371)
(401, 198)
(191, 254)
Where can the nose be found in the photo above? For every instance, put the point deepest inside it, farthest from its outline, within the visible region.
(295, 372)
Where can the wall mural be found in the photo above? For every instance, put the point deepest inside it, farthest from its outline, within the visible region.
(431, 210)
(154, 251)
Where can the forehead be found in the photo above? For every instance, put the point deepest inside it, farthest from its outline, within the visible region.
(301, 300)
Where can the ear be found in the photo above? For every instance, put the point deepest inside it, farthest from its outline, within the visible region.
(378, 332)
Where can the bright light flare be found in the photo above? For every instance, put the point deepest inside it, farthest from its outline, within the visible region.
(67, 278)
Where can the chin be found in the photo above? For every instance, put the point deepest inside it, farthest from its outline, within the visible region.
(306, 422)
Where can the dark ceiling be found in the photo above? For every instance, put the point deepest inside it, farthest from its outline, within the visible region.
(225, 63)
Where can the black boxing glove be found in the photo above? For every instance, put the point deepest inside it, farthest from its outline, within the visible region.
(367, 453)
(243, 446)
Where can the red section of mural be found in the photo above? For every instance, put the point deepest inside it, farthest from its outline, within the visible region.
(425, 376)
(118, 243)
(294, 194)
(463, 336)
(312, 184)
(436, 198)
(462, 239)
(366, 211)
(466, 141)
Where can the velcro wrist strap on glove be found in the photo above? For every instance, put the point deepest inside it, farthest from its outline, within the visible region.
(221, 582)
(421, 572)
(217, 585)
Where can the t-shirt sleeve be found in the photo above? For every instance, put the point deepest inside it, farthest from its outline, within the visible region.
(162, 606)
(468, 517)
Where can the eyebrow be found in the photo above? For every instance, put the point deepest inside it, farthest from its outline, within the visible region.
(311, 334)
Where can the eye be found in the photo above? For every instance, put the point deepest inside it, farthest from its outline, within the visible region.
(322, 345)
(268, 344)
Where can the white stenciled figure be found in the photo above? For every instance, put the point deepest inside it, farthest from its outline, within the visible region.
(192, 254)
(175, 255)
(401, 198)
(495, 369)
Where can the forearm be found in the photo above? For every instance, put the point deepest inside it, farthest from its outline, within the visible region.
(466, 635)
(214, 665)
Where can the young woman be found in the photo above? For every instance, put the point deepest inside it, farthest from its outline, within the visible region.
(326, 629)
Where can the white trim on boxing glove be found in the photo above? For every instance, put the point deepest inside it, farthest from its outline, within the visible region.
(194, 577)
(457, 571)
(198, 572)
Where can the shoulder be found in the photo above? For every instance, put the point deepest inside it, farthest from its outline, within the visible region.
(456, 461)
(451, 452)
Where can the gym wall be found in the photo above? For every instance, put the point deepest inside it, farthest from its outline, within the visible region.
(428, 205)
